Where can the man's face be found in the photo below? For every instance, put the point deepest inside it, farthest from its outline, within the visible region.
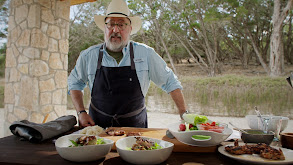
(117, 37)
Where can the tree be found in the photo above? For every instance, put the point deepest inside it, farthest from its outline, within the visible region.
(288, 39)
(155, 13)
(3, 34)
(83, 30)
(3, 19)
(276, 43)
(197, 23)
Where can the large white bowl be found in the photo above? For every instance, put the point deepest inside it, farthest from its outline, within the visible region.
(255, 123)
(81, 153)
(144, 156)
(185, 137)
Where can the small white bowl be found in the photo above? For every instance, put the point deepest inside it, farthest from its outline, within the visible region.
(81, 153)
(186, 136)
(144, 156)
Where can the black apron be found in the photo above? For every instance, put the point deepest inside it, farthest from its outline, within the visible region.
(116, 98)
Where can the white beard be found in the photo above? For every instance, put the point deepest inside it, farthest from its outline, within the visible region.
(115, 46)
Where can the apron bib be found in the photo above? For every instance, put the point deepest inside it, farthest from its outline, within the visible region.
(116, 99)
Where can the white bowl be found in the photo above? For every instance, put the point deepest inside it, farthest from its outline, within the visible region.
(186, 137)
(255, 123)
(81, 153)
(144, 156)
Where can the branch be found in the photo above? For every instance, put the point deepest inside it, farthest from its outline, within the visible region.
(257, 52)
(190, 54)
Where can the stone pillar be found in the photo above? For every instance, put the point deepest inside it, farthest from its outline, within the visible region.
(36, 61)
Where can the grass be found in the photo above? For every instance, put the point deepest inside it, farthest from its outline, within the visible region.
(229, 95)
(233, 95)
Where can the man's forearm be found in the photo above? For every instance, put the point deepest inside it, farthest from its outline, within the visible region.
(77, 99)
(178, 98)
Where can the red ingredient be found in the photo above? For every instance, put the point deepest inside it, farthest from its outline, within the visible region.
(211, 127)
(182, 127)
(190, 126)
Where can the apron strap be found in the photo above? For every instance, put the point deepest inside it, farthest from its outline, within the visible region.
(131, 57)
(100, 57)
(116, 117)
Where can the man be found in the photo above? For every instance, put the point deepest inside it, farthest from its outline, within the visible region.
(118, 73)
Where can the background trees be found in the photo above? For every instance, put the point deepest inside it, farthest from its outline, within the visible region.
(3, 34)
(210, 33)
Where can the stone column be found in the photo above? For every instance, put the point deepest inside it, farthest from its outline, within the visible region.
(36, 61)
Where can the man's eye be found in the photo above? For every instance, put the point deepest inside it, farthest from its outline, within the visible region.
(120, 25)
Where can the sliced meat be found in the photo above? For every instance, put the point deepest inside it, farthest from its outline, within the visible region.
(272, 153)
(84, 140)
(133, 134)
(264, 150)
(142, 144)
(113, 132)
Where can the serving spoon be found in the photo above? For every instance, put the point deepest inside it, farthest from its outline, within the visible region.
(264, 121)
(241, 130)
(259, 115)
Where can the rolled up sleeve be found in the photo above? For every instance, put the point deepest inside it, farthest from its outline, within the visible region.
(78, 78)
(161, 74)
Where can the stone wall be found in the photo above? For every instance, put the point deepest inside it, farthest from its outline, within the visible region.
(36, 60)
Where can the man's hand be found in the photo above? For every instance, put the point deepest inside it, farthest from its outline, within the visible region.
(85, 120)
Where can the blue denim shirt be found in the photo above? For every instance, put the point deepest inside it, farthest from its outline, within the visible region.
(149, 67)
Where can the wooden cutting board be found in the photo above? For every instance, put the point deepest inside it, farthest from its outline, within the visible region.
(159, 133)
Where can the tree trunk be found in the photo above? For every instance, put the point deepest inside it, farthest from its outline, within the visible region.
(276, 53)
(164, 45)
(288, 44)
(258, 54)
(276, 43)
(191, 55)
(245, 54)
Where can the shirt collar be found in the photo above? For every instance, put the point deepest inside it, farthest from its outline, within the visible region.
(126, 48)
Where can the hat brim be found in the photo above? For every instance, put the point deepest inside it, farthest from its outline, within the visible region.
(135, 22)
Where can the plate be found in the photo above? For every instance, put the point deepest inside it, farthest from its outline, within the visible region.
(256, 159)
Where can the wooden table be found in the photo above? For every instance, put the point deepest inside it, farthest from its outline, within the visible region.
(15, 151)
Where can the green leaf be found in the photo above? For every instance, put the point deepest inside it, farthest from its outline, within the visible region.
(74, 143)
(100, 141)
(201, 137)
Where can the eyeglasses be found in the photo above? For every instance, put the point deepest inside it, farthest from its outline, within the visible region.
(121, 26)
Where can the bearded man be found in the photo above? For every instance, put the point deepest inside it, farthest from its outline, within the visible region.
(118, 73)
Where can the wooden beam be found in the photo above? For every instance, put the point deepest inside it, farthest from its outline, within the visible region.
(76, 2)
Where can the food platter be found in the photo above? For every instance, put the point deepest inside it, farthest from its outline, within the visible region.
(256, 159)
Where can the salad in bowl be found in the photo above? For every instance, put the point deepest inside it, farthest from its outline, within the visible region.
(198, 130)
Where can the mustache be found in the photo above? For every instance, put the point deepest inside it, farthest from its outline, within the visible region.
(115, 35)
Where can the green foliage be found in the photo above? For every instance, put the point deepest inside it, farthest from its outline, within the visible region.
(83, 31)
(2, 60)
(3, 18)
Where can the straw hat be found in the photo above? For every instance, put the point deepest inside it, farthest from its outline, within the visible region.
(118, 8)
